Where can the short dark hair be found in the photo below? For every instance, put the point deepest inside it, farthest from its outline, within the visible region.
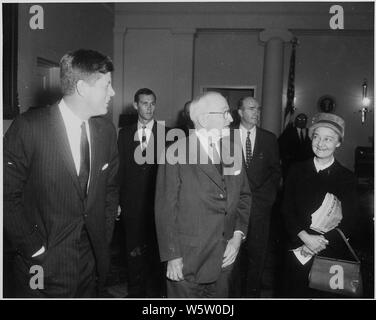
(82, 64)
(145, 91)
(241, 101)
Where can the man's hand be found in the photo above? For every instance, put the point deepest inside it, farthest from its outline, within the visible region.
(175, 269)
(232, 249)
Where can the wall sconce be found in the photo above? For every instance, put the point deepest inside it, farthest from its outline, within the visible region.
(365, 102)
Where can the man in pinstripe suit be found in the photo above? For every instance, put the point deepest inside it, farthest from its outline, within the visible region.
(60, 190)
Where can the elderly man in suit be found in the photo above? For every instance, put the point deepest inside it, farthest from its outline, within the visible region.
(261, 163)
(201, 209)
(60, 191)
(139, 147)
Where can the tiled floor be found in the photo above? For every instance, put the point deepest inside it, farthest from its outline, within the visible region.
(117, 284)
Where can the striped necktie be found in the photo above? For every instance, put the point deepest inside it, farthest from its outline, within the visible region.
(248, 149)
(84, 172)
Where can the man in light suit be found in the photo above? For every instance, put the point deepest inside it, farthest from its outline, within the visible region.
(201, 209)
(137, 192)
(60, 190)
(261, 163)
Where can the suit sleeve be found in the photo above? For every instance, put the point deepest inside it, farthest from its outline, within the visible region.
(18, 147)
(292, 221)
(166, 209)
(244, 206)
(112, 196)
(350, 210)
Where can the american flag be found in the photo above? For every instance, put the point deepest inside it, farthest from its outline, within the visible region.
(290, 108)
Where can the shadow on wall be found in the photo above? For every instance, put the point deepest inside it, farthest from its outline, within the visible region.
(128, 117)
(45, 98)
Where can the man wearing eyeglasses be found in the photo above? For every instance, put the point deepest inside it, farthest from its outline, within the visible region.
(261, 163)
(202, 206)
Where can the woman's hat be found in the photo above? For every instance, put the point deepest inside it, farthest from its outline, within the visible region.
(328, 120)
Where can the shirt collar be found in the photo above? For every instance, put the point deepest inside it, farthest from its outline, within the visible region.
(148, 126)
(252, 131)
(205, 138)
(320, 167)
(68, 116)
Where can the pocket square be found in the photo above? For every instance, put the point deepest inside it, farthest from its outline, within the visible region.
(39, 252)
(105, 167)
(237, 172)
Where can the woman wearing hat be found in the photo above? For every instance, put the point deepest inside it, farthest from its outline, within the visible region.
(306, 186)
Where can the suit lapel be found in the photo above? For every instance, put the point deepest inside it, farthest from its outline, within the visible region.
(59, 134)
(257, 142)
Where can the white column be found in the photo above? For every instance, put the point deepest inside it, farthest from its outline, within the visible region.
(272, 84)
(118, 75)
(182, 83)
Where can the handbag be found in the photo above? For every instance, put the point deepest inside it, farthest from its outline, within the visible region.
(337, 276)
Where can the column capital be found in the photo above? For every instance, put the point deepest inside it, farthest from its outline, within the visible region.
(281, 34)
(183, 31)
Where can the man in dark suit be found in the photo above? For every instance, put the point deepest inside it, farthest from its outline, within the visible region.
(294, 143)
(60, 194)
(139, 147)
(201, 206)
(261, 163)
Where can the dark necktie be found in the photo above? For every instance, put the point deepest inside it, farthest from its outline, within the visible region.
(83, 176)
(143, 138)
(143, 141)
(216, 158)
(301, 135)
(248, 149)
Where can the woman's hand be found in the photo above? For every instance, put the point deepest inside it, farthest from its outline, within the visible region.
(315, 243)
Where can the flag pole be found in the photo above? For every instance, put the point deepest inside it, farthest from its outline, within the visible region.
(290, 107)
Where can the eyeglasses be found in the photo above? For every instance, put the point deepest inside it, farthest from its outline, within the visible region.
(226, 114)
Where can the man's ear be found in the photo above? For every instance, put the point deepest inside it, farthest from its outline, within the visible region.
(240, 113)
(135, 105)
(81, 87)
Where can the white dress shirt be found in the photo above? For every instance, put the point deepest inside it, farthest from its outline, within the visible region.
(243, 138)
(72, 125)
(320, 167)
(303, 132)
(205, 140)
(148, 130)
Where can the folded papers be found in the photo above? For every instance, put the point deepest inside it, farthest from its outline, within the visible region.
(328, 216)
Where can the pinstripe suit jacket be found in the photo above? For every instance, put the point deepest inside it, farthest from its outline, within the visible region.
(43, 202)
